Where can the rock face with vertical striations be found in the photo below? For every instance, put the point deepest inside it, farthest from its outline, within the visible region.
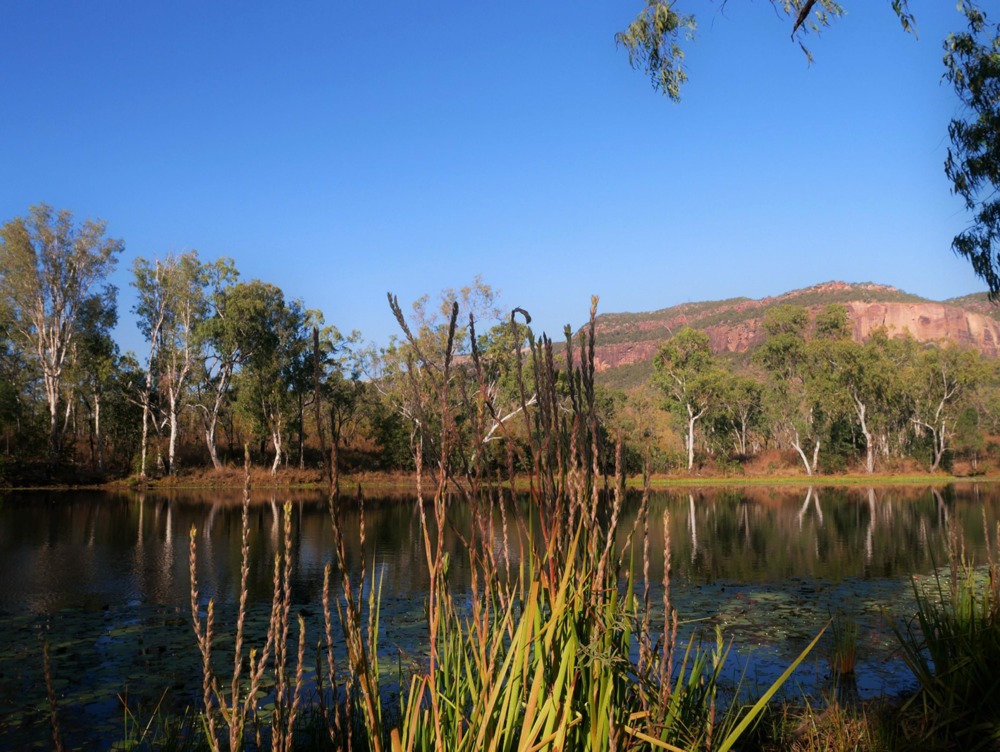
(734, 325)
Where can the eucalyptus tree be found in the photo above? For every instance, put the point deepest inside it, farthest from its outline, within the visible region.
(229, 336)
(16, 401)
(656, 37)
(790, 402)
(337, 391)
(263, 383)
(121, 413)
(972, 66)
(690, 377)
(940, 379)
(173, 303)
(740, 410)
(655, 42)
(96, 360)
(869, 377)
(49, 268)
(506, 387)
(151, 312)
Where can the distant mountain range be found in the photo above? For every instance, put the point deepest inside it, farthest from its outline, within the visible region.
(627, 342)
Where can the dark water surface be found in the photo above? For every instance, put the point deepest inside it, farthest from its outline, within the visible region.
(104, 579)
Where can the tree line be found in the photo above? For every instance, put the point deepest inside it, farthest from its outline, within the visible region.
(222, 355)
(229, 363)
(809, 388)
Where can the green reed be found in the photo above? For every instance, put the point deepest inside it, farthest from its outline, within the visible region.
(558, 651)
(954, 649)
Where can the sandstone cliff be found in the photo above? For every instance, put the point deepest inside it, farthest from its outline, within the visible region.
(734, 326)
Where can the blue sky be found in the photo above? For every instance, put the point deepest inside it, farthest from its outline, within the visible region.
(344, 149)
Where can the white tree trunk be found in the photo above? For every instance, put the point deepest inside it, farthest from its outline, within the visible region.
(796, 442)
(690, 440)
(276, 439)
(172, 450)
(210, 441)
(97, 432)
(861, 409)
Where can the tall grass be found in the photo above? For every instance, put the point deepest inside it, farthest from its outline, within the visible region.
(954, 648)
(559, 650)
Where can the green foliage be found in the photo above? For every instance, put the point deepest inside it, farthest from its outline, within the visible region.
(652, 41)
(972, 66)
(832, 323)
(51, 268)
(690, 378)
(654, 38)
(954, 650)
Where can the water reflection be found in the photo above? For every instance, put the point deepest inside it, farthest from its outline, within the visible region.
(92, 550)
(105, 576)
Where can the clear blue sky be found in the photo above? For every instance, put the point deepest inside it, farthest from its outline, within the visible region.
(342, 149)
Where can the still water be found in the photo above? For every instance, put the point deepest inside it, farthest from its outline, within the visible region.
(103, 578)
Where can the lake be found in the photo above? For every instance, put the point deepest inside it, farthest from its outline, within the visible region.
(103, 578)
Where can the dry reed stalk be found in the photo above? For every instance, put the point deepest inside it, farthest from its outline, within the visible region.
(238, 707)
(669, 621)
(51, 693)
(287, 695)
(335, 730)
(203, 635)
(645, 640)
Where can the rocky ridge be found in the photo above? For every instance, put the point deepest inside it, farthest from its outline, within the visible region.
(734, 325)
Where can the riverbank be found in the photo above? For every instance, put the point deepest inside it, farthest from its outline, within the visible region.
(375, 483)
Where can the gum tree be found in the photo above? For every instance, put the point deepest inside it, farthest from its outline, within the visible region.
(972, 66)
(50, 266)
(794, 412)
(940, 379)
(277, 337)
(172, 305)
(692, 381)
(655, 42)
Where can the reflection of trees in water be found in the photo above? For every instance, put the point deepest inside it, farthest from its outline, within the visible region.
(771, 535)
(72, 549)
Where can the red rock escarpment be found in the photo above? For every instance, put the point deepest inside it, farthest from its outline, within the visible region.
(925, 322)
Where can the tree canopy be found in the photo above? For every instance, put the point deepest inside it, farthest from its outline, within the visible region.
(655, 43)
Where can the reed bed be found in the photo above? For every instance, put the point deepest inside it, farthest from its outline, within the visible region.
(953, 648)
(558, 651)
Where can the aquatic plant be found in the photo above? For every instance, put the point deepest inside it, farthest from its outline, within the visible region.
(844, 645)
(954, 648)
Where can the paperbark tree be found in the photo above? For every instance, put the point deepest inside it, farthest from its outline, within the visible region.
(49, 268)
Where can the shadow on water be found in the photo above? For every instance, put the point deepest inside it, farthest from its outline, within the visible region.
(104, 578)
